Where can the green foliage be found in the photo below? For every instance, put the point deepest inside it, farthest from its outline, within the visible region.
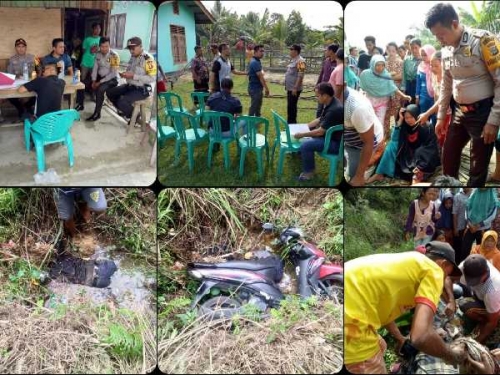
(333, 241)
(124, 343)
(12, 201)
(375, 219)
(23, 279)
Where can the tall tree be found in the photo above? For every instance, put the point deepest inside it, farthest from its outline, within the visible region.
(486, 17)
(296, 29)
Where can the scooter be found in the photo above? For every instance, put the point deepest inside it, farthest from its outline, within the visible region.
(226, 287)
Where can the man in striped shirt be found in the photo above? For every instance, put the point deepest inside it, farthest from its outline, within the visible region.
(363, 132)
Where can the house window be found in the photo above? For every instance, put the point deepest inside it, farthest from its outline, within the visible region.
(153, 42)
(117, 30)
(176, 7)
(178, 39)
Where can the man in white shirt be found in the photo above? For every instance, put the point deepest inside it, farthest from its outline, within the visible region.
(484, 281)
(363, 133)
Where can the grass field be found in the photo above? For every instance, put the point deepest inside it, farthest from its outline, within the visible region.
(178, 175)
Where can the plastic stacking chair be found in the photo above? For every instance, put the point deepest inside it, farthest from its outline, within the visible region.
(172, 102)
(164, 131)
(287, 143)
(333, 158)
(201, 97)
(51, 128)
(253, 141)
(215, 134)
(191, 136)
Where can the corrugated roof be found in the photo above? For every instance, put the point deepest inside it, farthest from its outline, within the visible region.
(103, 5)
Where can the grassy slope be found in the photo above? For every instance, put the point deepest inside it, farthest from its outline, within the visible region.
(170, 175)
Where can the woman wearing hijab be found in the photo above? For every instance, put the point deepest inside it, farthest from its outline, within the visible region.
(488, 248)
(445, 222)
(425, 91)
(413, 153)
(480, 211)
(379, 87)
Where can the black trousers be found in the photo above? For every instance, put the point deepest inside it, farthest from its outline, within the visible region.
(99, 93)
(465, 127)
(22, 107)
(123, 97)
(291, 106)
(467, 241)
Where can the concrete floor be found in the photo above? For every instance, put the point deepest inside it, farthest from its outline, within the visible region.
(104, 154)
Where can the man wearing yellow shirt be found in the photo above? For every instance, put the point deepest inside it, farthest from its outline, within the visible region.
(380, 288)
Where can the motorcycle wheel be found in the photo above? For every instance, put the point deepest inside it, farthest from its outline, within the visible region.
(335, 290)
(220, 307)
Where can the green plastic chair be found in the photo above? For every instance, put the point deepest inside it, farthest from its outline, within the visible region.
(164, 131)
(333, 158)
(202, 97)
(215, 134)
(287, 143)
(51, 128)
(253, 141)
(191, 137)
(171, 102)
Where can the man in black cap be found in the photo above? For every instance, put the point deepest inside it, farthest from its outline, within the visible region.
(294, 77)
(484, 281)
(382, 287)
(16, 66)
(140, 74)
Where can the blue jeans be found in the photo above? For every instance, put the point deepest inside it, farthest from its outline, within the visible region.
(387, 165)
(308, 148)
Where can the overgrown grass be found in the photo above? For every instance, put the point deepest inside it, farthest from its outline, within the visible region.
(170, 175)
(375, 220)
(299, 337)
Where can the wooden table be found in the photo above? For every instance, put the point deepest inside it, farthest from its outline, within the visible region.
(70, 88)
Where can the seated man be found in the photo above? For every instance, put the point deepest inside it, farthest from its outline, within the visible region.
(140, 74)
(363, 133)
(104, 75)
(332, 113)
(16, 66)
(59, 57)
(49, 89)
(89, 200)
(484, 307)
(223, 101)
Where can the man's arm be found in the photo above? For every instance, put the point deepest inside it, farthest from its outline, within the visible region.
(263, 81)
(487, 328)
(22, 90)
(393, 329)
(493, 65)
(445, 94)
(424, 338)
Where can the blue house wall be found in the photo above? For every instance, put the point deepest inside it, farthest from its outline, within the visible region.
(166, 17)
(139, 23)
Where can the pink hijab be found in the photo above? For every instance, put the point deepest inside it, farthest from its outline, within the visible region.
(425, 67)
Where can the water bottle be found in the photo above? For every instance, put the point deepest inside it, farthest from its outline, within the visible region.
(61, 74)
(25, 72)
(75, 77)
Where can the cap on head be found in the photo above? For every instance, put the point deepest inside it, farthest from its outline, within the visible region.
(475, 267)
(445, 251)
(19, 42)
(135, 41)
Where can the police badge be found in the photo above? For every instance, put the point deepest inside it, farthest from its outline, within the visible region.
(467, 51)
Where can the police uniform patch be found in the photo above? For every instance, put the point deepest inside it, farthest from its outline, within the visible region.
(490, 49)
(150, 67)
(301, 66)
(115, 61)
(467, 51)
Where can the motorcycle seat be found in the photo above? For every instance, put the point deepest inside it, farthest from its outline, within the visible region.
(249, 265)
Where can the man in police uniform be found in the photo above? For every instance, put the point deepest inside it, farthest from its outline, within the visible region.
(140, 74)
(293, 82)
(104, 74)
(16, 66)
(471, 85)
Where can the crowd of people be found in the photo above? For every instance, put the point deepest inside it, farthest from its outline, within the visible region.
(439, 99)
(214, 76)
(92, 62)
(454, 275)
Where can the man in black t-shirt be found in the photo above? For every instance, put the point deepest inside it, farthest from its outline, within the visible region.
(332, 113)
(223, 101)
(49, 89)
(364, 59)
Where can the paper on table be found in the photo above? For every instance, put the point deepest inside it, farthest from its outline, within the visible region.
(16, 83)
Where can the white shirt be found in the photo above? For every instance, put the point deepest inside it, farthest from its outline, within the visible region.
(359, 117)
(489, 291)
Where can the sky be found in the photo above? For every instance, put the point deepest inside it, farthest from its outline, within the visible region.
(315, 14)
(388, 21)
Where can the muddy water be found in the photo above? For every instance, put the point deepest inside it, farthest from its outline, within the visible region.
(132, 285)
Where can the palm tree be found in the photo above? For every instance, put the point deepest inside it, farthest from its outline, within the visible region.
(487, 17)
(257, 28)
(335, 32)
